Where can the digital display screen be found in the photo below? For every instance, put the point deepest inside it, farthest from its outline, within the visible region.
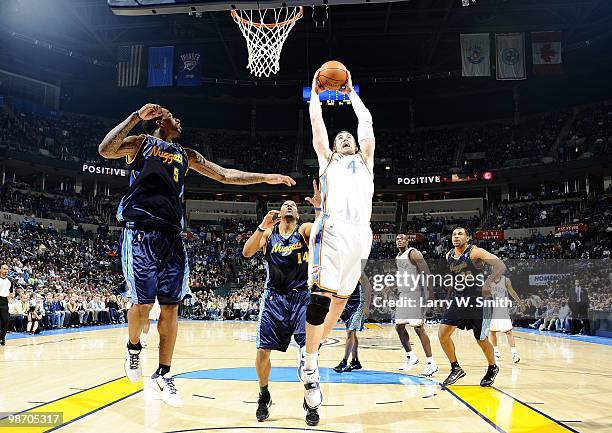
(328, 95)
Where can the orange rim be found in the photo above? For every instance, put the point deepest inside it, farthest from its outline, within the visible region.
(297, 16)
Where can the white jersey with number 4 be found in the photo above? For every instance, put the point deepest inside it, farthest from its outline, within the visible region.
(341, 238)
(347, 187)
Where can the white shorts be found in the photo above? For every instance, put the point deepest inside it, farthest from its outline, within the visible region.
(337, 249)
(501, 325)
(410, 322)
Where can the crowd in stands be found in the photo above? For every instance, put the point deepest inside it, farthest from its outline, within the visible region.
(52, 204)
(590, 134)
(493, 145)
(534, 214)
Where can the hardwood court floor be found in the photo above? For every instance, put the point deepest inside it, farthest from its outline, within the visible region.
(560, 385)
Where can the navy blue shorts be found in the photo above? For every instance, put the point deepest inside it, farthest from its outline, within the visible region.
(154, 265)
(471, 316)
(282, 315)
(352, 316)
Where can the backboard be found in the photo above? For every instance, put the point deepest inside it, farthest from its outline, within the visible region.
(155, 7)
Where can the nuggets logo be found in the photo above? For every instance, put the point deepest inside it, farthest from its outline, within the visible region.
(458, 268)
(167, 157)
(190, 61)
(285, 250)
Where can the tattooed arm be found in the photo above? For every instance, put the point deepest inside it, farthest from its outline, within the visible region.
(117, 144)
(228, 175)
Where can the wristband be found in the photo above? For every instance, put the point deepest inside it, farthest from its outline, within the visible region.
(317, 209)
(260, 229)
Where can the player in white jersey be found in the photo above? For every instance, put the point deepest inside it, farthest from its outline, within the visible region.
(341, 236)
(412, 280)
(501, 316)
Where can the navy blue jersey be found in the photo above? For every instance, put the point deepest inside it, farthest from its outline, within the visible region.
(463, 266)
(156, 196)
(286, 261)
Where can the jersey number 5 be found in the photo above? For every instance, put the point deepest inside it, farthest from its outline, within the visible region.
(176, 174)
(352, 166)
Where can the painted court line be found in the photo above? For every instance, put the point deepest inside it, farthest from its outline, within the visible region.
(80, 404)
(505, 413)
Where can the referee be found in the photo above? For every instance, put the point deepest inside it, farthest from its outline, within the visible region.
(5, 288)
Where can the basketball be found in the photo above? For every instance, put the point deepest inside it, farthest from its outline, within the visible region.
(333, 75)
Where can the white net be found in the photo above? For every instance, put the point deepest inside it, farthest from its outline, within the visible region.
(265, 31)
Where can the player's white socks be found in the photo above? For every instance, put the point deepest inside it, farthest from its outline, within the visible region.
(430, 360)
(513, 350)
(311, 361)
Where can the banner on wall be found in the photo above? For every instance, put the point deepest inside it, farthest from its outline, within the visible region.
(189, 66)
(475, 55)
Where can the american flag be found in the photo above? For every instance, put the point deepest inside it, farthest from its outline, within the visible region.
(129, 59)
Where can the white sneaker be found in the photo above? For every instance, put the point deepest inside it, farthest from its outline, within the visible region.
(312, 390)
(133, 368)
(516, 358)
(411, 361)
(430, 369)
(301, 356)
(165, 386)
(496, 354)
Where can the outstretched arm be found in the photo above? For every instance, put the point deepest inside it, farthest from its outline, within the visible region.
(320, 140)
(259, 238)
(228, 175)
(117, 144)
(365, 130)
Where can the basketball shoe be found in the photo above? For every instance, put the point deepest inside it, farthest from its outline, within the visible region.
(430, 369)
(516, 358)
(411, 361)
(313, 397)
(263, 404)
(355, 365)
(489, 377)
(455, 374)
(133, 368)
(312, 415)
(166, 388)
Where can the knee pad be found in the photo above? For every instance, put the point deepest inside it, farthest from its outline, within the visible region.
(317, 309)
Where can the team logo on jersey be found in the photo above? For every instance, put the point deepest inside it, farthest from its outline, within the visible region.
(167, 157)
(285, 250)
(476, 57)
(190, 61)
(458, 267)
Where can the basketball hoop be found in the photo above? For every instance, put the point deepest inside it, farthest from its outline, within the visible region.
(265, 31)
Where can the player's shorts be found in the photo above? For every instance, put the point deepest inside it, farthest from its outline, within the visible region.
(282, 315)
(474, 317)
(154, 265)
(337, 249)
(352, 316)
(410, 314)
(501, 325)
